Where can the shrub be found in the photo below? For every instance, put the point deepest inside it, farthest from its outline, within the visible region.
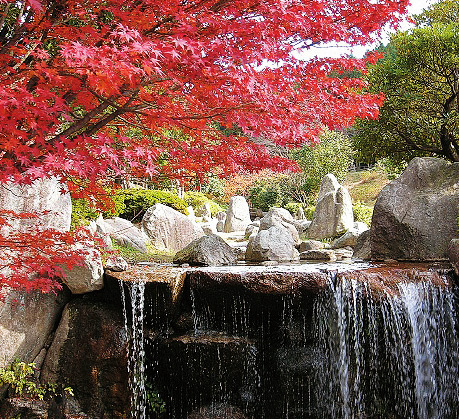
(198, 199)
(309, 212)
(19, 376)
(214, 186)
(362, 213)
(334, 154)
(137, 201)
(83, 211)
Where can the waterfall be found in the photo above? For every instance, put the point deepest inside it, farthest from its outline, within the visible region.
(136, 350)
(386, 354)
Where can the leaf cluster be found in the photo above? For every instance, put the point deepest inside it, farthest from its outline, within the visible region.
(419, 77)
(19, 376)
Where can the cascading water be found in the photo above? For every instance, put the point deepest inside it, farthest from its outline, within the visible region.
(136, 351)
(387, 354)
(344, 349)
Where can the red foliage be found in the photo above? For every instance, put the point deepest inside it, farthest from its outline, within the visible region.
(90, 91)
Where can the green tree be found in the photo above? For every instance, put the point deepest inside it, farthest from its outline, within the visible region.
(334, 154)
(420, 78)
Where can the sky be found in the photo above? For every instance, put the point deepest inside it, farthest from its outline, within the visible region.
(336, 50)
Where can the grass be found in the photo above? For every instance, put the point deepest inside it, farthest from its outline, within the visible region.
(364, 186)
(133, 256)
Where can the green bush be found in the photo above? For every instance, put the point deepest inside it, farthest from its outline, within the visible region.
(83, 211)
(333, 154)
(19, 376)
(198, 199)
(214, 186)
(293, 207)
(309, 212)
(265, 194)
(362, 213)
(137, 201)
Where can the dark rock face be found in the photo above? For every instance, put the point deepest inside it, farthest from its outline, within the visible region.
(415, 216)
(89, 354)
(218, 411)
(207, 251)
(453, 253)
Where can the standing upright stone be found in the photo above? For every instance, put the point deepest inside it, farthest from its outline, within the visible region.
(169, 229)
(333, 214)
(238, 215)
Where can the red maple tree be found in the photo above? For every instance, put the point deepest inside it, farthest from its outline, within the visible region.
(91, 91)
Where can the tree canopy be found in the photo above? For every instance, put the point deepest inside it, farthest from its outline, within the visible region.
(420, 79)
(91, 91)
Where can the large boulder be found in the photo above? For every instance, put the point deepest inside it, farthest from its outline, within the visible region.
(362, 248)
(207, 251)
(124, 233)
(88, 276)
(48, 197)
(275, 243)
(238, 215)
(169, 229)
(333, 213)
(282, 218)
(415, 216)
(89, 354)
(26, 321)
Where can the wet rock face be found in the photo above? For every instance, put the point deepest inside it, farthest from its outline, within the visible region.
(88, 353)
(415, 216)
(218, 411)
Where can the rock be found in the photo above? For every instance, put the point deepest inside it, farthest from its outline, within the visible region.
(221, 215)
(117, 264)
(238, 215)
(362, 248)
(209, 228)
(218, 411)
(26, 321)
(275, 243)
(347, 239)
(252, 229)
(415, 216)
(311, 245)
(302, 226)
(343, 253)
(282, 218)
(220, 226)
(300, 214)
(204, 211)
(98, 374)
(333, 213)
(319, 254)
(360, 227)
(453, 253)
(86, 277)
(44, 195)
(207, 251)
(124, 233)
(169, 229)
(191, 214)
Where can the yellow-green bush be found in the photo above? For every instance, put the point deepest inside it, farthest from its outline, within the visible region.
(197, 199)
(362, 213)
(137, 201)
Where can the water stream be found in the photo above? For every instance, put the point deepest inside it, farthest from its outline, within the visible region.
(349, 351)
